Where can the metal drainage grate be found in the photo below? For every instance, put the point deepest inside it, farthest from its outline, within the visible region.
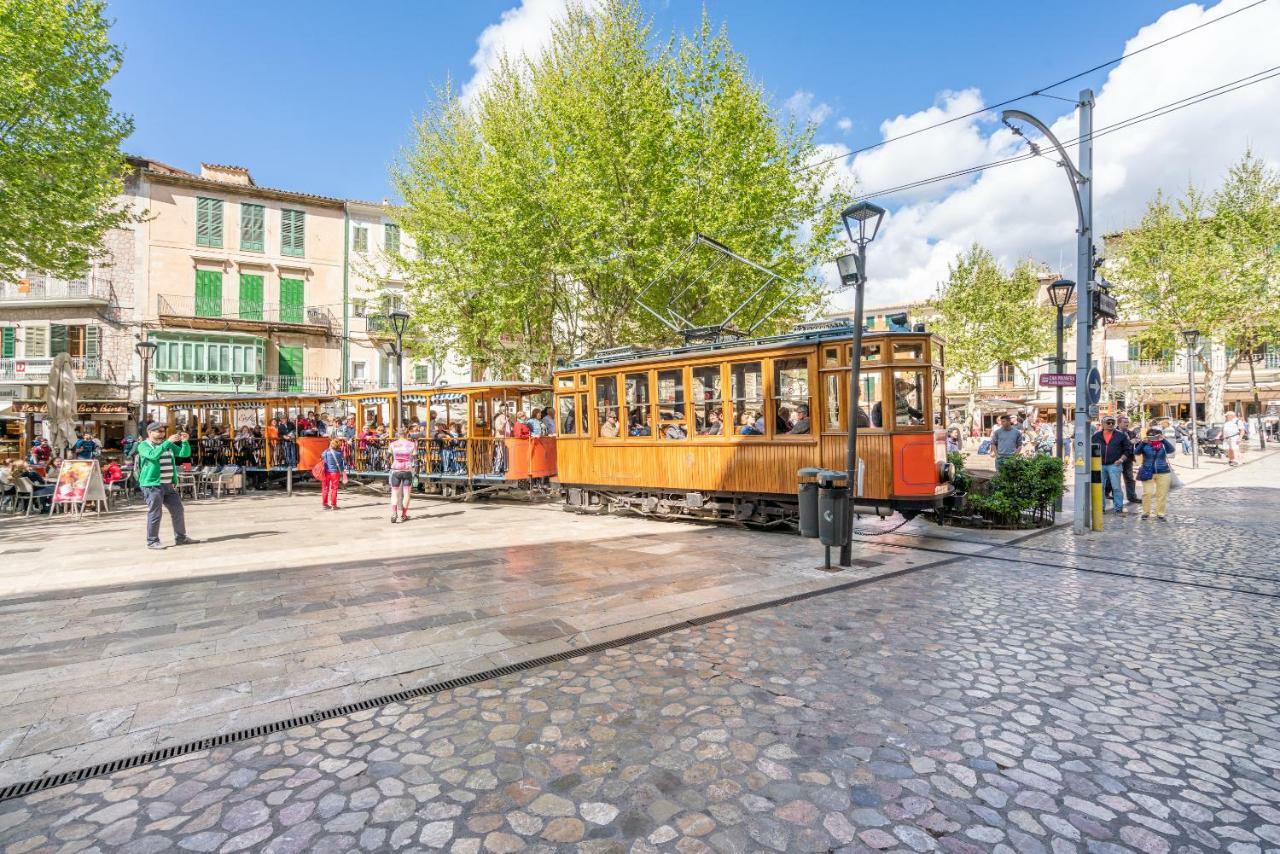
(18, 790)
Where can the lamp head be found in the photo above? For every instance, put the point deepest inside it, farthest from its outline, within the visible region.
(868, 218)
(1060, 292)
(146, 349)
(850, 268)
(399, 321)
(1191, 337)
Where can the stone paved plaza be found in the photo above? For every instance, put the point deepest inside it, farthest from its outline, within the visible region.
(1115, 693)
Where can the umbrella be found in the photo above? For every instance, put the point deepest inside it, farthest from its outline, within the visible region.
(60, 395)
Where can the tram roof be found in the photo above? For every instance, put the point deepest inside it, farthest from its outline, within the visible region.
(832, 331)
(453, 388)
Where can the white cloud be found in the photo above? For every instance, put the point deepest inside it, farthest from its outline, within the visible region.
(524, 30)
(1025, 209)
(845, 124)
(802, 106)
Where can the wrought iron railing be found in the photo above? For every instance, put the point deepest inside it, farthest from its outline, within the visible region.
(47, 288)
(87, 368)
(240, 383)
(232, 308)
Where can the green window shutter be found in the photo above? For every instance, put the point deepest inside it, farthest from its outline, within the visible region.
(250, 297)
(291, 301)
(209, 222)
(292, 232)
(360, 239)
(57, 339)
(208, 293)
(7, 345)
(93, 341)
(392, 238)
(1134, 351)
(290, 369)
(252, 227)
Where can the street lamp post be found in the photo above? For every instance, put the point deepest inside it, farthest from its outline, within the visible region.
(1191, 337)
(399, 322)
(1059, 295)
(145, 350)
(853, 273)
(1080, 176)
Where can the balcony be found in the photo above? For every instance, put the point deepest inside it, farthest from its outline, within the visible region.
(47, 292)
(227, 313)
(86, 368)
(221, 383)
(1145, 367)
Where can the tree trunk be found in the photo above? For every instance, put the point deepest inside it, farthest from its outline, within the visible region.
(1215, 387)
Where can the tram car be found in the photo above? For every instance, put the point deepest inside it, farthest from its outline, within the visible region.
(719, 430)
(459, 455)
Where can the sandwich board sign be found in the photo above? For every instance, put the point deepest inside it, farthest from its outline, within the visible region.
(79, 482)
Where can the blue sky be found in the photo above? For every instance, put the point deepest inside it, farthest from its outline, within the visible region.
(320, 97)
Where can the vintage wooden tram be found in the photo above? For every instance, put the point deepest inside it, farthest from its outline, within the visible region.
(719, 430)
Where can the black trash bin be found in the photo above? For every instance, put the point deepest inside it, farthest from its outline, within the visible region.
(833, 507)
(808, 494)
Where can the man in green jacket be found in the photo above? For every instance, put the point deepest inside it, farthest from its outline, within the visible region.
(157, 478)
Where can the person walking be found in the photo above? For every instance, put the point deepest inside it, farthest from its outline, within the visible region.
(1005, 441)
(157, 478)
(335, 472)
(1154, 473)
(1115, 446)
(1126, 468)
(1231, 438)
(400, 477)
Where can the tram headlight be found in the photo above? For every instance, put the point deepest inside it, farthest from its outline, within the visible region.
(946, 472)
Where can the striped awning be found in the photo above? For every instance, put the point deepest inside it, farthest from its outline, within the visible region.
(373, 401)
(415, 398)
(448, 397)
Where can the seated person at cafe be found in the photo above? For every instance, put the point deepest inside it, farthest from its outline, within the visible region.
(801, 423)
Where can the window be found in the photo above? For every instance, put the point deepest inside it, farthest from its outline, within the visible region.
(208, 293)
(908, 351)
(1004, 372)
(253, 227)
(392, 238)
(872, 353)
(607, 407)
(423, 374)
(831, 401)
(746, 392)
(585, 423)
(359, 371)
(360, 239)
(791, 397)
(639, 420)
(568, 416)
(37, 342)
(292, 232)
(908, 398)
(209, 222)
(830, 357)
(250, 297)
(360, 307)
(870, 411)
(291, 301)
(671, 405)
(708, 401)
(565, 381)
(8, 342)
(939, 400)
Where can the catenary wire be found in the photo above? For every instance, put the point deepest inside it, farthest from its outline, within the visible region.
(1031, 94)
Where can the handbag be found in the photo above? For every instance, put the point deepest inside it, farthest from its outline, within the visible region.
(984, 447)
(317, 470)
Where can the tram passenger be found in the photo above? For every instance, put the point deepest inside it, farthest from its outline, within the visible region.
(609, 429)
(549, 422)
(782, 421)
(502, 430)
(751, 425)
(639, 423)
(520, 426)
(403, 450)
(714, 425)
(801, 424)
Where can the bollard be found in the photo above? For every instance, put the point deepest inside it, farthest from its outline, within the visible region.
(808, 497)
(833, 510)
(1095, 489)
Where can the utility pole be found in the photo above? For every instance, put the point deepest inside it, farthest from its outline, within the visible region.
(1084, 313)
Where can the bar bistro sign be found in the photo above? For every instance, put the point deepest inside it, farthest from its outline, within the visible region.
(84, 407)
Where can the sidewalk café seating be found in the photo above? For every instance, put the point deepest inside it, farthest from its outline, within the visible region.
(229, 479)
(187, 481)
(24, 490)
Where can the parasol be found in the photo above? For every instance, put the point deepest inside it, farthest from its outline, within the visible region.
(60, 395)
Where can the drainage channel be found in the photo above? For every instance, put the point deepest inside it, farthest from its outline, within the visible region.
(22, 789)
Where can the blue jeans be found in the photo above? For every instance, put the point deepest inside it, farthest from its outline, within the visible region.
(1114, 473)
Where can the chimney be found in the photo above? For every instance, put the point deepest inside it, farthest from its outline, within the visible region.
(226, 174)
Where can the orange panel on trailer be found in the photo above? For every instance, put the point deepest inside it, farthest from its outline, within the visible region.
(915, 464)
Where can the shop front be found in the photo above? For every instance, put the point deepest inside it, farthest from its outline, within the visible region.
(107, 419)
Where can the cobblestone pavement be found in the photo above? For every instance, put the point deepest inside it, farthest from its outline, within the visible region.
(1002, 703)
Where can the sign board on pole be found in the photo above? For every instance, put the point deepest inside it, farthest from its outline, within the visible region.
(1094, 386)
(79, 482)
(1058, 380)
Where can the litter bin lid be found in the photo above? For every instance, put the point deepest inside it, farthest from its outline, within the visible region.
(809, 472)
(830, 477)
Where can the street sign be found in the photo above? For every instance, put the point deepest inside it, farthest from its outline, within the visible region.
(1094, 386)
(1058, 380)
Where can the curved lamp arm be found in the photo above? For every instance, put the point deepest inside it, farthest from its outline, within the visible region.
(1073, 174)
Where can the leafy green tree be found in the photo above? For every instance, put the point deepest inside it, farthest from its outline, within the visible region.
(987, 316)
(60, 160)
(1209, 262)
(543, 206)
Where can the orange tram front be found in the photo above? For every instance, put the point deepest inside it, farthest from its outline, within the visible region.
(720, 430)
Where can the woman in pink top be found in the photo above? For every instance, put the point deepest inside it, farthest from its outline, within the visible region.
(402, 450)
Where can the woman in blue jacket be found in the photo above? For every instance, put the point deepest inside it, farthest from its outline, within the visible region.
(1154, 473)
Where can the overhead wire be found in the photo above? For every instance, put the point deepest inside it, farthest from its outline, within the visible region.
(1041, 91)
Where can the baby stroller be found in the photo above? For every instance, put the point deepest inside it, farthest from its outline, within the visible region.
(1210, 439)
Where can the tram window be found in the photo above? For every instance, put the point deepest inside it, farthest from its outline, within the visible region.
(908, 351)
(746, 391)
(482, 417)
(938, 355)
(607, 407)
(939, 404)
(908, 398)
(870, 411)
(708, 401)
(582, 380)
(568, 416)
(565, 381)
(831, 401)
(791, 397)
(872, 353)
(830, 357)
(638, 400)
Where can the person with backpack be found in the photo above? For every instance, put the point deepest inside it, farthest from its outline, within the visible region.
(1154, 474)
(1115, 447)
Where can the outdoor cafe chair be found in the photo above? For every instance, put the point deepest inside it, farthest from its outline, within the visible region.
(24, 490)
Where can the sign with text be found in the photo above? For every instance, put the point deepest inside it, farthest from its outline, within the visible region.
(79, 482)
(1058, 380)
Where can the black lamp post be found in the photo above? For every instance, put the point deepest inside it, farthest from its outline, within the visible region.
(1060, 293)
(1191, 337)
(145, 350)
(853, 274)
(399, 322)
